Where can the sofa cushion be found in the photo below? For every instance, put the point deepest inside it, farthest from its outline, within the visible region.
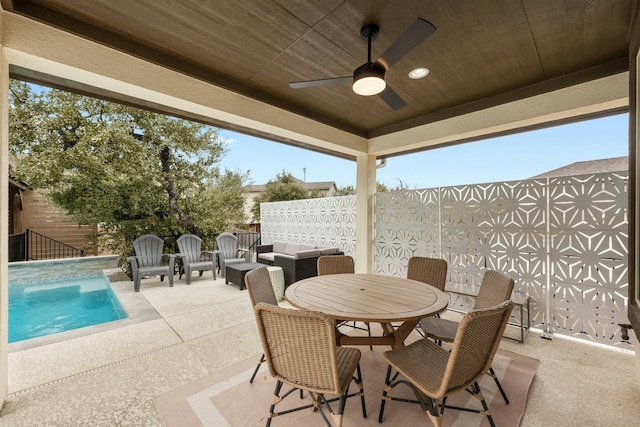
(280, 247)
(268, 256)
(292, 247)
(307, 253)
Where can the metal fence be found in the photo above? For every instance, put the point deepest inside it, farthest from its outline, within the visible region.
(563, 240)
(31, 246)
(248, 240)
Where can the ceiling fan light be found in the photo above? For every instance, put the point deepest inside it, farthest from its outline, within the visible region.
(368, 86)
(368, 79)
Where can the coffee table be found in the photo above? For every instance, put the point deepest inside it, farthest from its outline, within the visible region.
(234, 273)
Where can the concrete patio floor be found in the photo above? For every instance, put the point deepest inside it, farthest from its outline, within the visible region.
(109, 375)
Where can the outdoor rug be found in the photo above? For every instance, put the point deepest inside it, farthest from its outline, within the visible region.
(225, 398)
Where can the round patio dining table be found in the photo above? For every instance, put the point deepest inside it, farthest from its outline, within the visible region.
(369, 298)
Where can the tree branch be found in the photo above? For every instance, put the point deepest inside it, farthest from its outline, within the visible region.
(165, 159)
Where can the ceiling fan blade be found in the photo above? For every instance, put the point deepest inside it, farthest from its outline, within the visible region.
(392, 99)
(411, 38)
(321, 82)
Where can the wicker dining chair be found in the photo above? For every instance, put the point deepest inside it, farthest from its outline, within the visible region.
(259, 286)
(495, 288)
(335, 264)
(434, 373)
(340, 264)
(300, 349)
(432, 271)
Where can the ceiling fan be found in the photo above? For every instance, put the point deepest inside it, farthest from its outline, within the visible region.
(368, 79)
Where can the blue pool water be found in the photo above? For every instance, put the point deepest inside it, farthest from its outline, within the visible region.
(42, 308)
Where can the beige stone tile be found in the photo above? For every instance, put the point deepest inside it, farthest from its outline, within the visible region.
(211, 319)
(182, 298)
(35, 366)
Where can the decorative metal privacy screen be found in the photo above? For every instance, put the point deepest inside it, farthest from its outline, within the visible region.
(563, 240)
(328, 221)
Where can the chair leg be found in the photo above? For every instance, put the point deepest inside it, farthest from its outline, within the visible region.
(257, 368)
(493, 375)
(136, 282)
(433, 409)
(475, 390)
(222, 268)
(337, 418)
(385, 390)
(276, 394)
(361, 386)
(480, 397)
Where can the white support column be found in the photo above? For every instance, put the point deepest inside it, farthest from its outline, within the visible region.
(634, 186)
(4, 220)
(365, 190)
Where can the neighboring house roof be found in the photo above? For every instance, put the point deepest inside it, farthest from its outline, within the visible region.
(323, 186)
(13, 180)
(615, 164)
(21, 185)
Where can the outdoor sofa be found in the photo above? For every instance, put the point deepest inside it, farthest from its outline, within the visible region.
(298, 260)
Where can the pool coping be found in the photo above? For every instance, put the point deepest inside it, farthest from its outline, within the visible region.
(136, 306)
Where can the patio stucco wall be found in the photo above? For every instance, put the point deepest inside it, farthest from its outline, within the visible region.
(563, 240)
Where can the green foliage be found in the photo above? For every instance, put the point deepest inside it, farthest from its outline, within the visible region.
(220, 204)
(130, 171)
(284, 187)
(381, 187)
(350, 190)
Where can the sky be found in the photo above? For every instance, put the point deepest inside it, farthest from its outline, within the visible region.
(506, 158)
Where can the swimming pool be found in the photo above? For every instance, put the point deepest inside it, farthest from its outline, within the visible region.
(61, 299)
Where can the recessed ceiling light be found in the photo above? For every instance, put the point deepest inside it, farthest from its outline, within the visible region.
(418, 73)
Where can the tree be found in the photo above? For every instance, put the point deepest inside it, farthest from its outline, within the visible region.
(383, 188)
(350, 190)
(283, 188)
(131, 171)
(220, 205)
(347, 190)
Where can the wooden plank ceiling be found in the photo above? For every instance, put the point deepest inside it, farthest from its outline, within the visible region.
(482, 49)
